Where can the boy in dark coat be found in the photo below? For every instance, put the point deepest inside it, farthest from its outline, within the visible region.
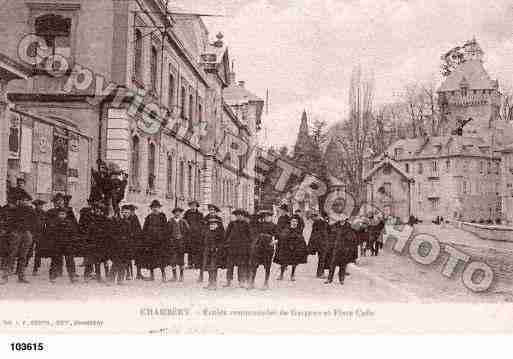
(238, 248)
(155, 240)
(178, 230)
(292, 250)
(344, 243)
(262, 249)
(62, 232)
(193, 246)
(121, 244)
(96, 247)
(212, 246)
(213, 214)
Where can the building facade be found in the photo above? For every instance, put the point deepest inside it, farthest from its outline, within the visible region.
(125, 61)
(457, 174)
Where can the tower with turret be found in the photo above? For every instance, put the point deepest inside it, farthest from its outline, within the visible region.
(469, 99)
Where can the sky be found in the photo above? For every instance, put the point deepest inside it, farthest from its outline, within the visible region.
(304, 51)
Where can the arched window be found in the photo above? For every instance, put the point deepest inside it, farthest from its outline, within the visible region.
(183, 100)
(169, 174)
(191, 107)
(134, 162)
(151, 166)
(138, 49)
(154, 68)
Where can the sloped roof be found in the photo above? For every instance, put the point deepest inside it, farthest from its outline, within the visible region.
(235, 94)
(387, 161)
(472, 73)
(452, 145)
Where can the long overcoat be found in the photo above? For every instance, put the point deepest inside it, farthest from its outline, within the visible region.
(292, 249)
(344, 242)
(238, 242)
(213, 241)
(157, 247)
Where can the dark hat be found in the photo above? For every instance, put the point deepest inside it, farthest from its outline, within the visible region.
(38, 202)
(57, 197)
(155, 203)
(126, 207)
(177, 209)
(238, 212)
(284, 207)
(20, 179)
(193, 202)
(214, 207)
(67, 197)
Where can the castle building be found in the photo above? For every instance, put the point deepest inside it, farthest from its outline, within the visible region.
(100, 60)
(458, 173)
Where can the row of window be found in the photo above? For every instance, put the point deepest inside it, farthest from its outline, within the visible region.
(188, 176)
(466, 164)
(226, 191)
(190, 105)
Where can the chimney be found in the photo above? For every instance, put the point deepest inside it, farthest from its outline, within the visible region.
(242, 83)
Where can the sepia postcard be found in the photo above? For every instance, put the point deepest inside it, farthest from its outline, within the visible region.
(255, 167)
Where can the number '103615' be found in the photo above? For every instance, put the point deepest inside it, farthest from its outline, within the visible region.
(27, 347)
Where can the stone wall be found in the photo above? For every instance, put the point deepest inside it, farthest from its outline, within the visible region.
(490, 232)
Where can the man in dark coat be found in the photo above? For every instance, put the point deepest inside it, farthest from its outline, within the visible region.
(178, 229)
(344, 243)
(212, 246)
(193, 246)
(21, 224)
(262, 249)
(292, 250)
(155, 239)
(238, 248)
(62, 232)
(59, 202)
(39, 233)
(317, 241)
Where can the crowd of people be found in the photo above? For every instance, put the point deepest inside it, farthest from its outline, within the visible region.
(115, 247)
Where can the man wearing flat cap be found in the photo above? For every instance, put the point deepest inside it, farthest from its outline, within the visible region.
(178, 231)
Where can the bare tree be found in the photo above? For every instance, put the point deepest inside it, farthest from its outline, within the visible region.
(353, 133)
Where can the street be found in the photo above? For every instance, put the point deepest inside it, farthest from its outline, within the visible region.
(389, 277)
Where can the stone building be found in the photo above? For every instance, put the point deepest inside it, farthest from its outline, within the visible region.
(103, 69)
(456, 174)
